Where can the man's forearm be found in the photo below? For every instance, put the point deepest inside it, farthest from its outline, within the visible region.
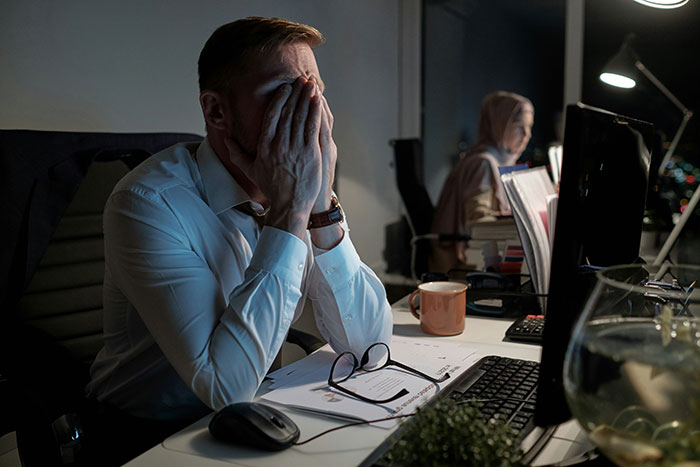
(349, 300)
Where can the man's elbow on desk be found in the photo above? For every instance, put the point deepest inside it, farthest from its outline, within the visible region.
(360, 328)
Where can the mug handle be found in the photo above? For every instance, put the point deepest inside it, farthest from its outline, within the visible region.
(411, 306)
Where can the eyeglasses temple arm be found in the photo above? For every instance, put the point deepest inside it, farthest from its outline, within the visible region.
(413, 370)
(399, 394)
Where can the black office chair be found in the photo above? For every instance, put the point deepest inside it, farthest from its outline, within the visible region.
(408, 164)
(54, 187)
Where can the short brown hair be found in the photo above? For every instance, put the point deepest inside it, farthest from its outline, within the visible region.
(226, 52)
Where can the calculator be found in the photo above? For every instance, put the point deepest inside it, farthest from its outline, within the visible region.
(526, 329)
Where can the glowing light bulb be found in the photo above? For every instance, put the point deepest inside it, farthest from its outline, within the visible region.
(617, 80)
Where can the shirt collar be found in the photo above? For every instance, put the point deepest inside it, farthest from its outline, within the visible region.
(223, 192)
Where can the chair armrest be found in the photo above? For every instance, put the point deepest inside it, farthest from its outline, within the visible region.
(308, 342)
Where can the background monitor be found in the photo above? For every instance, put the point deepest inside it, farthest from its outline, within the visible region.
(602, 193)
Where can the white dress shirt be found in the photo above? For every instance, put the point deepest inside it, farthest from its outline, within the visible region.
(198, 299)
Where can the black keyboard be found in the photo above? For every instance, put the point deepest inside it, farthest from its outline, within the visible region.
(526, 329)
(504, 389)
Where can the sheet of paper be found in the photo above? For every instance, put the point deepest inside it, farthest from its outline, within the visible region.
(552, 204)
(526, 239)
(307, 386)
(300, 368)
(555, 155)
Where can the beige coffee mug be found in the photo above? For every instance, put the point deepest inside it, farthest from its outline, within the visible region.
(442, 307)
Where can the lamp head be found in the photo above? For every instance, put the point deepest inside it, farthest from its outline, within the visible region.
(617, 80)
(621, 70)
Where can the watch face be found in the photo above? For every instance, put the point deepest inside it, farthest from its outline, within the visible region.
(332, 216)
(336, 215)
(340, 209)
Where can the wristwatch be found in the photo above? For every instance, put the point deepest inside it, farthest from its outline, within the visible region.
(332, 216)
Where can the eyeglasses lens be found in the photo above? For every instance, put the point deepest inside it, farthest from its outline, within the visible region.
(376, 357)
(344, 367)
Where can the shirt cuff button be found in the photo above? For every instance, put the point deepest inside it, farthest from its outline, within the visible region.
(300, 266)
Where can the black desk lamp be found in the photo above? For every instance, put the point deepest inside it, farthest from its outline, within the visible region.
(621, 71)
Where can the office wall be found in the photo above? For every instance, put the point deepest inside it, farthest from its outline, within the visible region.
(130, 66)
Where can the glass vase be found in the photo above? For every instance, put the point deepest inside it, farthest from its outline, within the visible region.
(632, 367)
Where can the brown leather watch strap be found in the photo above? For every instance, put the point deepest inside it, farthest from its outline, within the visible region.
(325, 218)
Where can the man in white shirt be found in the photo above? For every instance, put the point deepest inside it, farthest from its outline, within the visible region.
(200, 288)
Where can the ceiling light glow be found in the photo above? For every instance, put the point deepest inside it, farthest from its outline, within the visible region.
(665, 4)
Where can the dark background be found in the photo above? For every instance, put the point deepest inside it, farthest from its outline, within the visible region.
(668, 44)
(473, 47)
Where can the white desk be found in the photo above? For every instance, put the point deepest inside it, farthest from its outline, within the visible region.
(194, 446)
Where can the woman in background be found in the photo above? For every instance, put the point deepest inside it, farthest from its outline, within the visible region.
(473, 191)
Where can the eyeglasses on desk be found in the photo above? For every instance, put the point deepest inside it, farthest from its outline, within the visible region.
(376, 357)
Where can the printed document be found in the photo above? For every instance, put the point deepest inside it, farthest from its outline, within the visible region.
(304, 384)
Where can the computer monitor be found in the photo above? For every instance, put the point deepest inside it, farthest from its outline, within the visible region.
(602, 194)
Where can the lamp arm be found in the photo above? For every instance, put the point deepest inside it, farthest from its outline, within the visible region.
(645, 71)
(674, 142)
(675, 233)
(687, 114)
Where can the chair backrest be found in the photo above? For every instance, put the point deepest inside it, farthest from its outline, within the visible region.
(55, 234)
(408, 163)
(64, 296)
(53, 188)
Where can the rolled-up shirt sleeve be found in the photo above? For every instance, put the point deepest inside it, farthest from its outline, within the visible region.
(220, 344)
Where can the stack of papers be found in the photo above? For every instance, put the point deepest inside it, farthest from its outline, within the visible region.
(304, 383)
(502, 228)
(533, 202)
(502, 232)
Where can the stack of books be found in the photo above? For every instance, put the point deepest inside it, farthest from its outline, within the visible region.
(500, 234)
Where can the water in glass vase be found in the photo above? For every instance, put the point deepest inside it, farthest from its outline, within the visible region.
(634, 385)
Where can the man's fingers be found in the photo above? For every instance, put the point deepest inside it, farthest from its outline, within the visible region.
(298, 131)
(326, 124)
(237, 156)
(272, 114)
(313, 120)
(285, 121)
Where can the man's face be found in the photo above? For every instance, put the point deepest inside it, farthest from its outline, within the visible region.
(253, 91)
